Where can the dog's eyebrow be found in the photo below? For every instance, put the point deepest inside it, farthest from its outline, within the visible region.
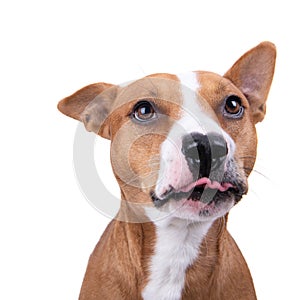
(152, 93)
(222, 85)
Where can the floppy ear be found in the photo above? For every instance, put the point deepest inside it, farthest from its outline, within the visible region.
(91, 105)
(253, 74)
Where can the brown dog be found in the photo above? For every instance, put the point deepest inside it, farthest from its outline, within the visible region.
(182, 149)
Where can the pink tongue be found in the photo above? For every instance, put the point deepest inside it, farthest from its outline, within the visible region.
(209, 184)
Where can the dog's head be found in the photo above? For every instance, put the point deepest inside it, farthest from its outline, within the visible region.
(183, 144)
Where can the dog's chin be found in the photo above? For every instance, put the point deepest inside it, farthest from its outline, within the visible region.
(198, 210)
(200, 204)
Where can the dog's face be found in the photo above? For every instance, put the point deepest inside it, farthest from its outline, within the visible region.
(182, 144)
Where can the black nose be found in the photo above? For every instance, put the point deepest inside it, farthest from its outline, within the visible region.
(204, 153)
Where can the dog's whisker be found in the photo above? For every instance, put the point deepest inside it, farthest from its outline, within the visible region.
(247, 156)
(137, 178)
(257, 172)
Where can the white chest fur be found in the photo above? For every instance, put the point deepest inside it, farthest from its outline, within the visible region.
(177, 247)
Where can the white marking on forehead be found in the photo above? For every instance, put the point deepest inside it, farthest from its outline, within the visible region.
(125, 84)
(189, 80)
(190, 87)
(194, 117)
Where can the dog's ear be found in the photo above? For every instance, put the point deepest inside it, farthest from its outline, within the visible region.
(253, 74)
(91, 105)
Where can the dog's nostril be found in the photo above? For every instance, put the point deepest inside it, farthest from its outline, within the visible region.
(218, 146)
(204, 153)
(190, 150)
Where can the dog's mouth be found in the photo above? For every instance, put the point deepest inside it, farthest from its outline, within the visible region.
(204, 190)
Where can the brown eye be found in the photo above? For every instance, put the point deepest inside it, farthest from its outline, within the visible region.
(233, 106)
(144, 111)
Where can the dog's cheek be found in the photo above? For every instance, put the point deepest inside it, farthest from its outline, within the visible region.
(248, 155)
(144, 158)
(243, 133)
(246, 152)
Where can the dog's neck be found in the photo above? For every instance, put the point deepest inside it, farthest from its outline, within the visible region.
(163, 251)
(176, 248)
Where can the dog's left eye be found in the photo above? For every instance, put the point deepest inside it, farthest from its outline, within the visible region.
(233, 106)
(144, 111)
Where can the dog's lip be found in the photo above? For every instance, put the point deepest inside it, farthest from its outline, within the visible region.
(186, 191)
(207, 183)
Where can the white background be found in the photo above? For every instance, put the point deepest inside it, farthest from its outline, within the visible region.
(51, 49)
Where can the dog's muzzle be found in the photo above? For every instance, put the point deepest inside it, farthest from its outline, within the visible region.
(212, 168)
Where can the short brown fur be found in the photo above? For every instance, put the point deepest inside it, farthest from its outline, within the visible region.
(119, 265)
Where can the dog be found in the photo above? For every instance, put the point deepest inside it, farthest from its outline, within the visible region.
(182, 148)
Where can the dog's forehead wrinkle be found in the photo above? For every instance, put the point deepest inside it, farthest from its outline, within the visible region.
(155, 91)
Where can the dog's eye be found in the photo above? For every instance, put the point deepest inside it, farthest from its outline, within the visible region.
(233, 106)
(144, 111)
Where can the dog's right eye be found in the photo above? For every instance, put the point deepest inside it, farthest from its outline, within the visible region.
(144, 111)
